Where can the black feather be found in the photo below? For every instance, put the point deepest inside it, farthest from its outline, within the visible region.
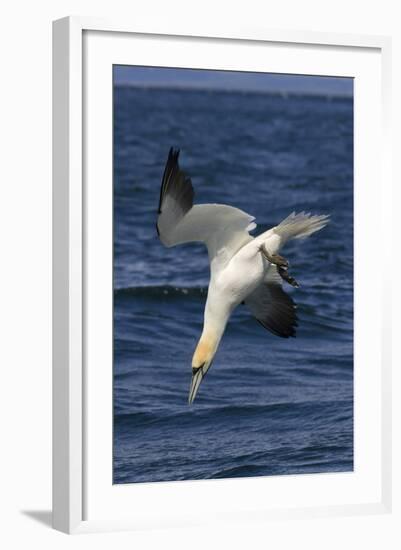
(274, 309)
(176, 185)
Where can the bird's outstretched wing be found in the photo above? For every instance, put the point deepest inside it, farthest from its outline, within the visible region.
(272, 307)
(176, 197)
(224, 229)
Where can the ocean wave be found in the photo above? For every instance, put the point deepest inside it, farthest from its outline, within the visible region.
(160, 291)
(284, 409)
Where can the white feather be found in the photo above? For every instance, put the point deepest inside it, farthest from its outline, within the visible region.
(224, 230)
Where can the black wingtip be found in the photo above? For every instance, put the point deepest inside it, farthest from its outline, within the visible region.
(176, 184)
(173, 154)
(171, 165)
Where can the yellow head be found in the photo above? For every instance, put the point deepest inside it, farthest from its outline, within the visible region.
(204, 352)
(202, 361)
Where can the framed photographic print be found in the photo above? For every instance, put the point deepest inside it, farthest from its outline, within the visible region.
(213, 204)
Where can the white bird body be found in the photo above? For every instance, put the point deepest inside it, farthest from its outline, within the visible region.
(233, 282)
(239, 272)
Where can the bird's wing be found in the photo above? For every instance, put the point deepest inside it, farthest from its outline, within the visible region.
(224, 229)
(272, 307)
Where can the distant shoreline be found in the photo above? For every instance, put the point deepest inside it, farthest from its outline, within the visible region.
(277, 93)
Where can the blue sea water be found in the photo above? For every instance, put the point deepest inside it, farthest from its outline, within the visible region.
(268, 406)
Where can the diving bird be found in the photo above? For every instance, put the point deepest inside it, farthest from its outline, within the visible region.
(243, 268)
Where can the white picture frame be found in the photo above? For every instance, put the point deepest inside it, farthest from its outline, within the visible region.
(81, 48)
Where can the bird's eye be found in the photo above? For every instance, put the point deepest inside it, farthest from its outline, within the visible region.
(196, 369)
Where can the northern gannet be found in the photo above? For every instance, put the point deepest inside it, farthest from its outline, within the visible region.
(243, 268)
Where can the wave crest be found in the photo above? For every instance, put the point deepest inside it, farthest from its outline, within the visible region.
(160, 291)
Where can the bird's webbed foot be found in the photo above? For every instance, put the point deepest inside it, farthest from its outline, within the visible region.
(287, 277)
(275, 259)
(282, 265)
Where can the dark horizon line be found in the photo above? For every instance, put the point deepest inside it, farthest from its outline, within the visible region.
(194, 87)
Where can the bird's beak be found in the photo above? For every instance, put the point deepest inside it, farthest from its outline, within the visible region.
(198, 374)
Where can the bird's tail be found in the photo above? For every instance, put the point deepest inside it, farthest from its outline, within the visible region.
(299, 226)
